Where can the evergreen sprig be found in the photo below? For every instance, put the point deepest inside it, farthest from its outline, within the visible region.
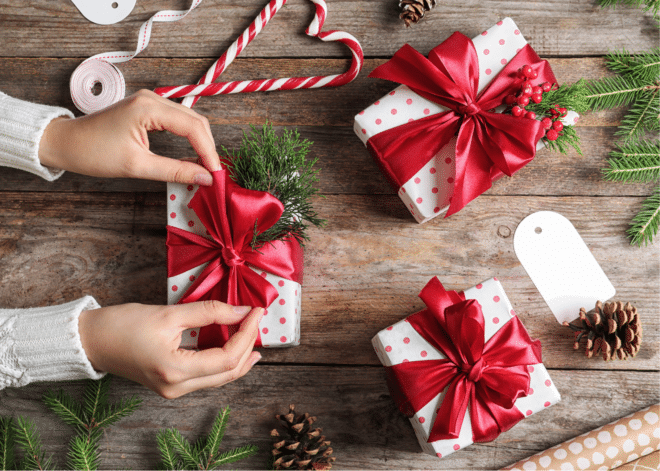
(7, 443)
(637, 162)
(648, 5)
(645, 224)
(29, 440)
(278, 165)
(178, 453)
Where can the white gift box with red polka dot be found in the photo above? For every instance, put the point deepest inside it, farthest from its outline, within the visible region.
(401, 343)
(280, 326)
(427, 193)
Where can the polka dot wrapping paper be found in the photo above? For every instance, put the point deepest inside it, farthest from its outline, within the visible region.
(401, 343)
(427, 193)
(608, 447)
(280, 326)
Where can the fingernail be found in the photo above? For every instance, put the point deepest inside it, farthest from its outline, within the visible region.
(257, 359)
(203, 179)
(241, 310)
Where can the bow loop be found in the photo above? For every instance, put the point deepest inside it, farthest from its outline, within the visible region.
(489, 375)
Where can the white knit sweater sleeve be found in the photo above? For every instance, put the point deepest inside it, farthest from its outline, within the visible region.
(21, 126)
(43, 344)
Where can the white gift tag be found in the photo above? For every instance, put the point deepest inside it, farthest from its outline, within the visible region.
(560, 264)
(105, 12)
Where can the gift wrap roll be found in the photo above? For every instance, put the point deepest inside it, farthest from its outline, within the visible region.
(608, 447)
(645, 463)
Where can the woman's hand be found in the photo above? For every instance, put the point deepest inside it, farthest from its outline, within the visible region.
(114, 142)
(141, 343)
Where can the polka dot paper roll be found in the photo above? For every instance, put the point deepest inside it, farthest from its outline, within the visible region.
(401, 343)
(280, 326)
(427, 193)
(608, 447)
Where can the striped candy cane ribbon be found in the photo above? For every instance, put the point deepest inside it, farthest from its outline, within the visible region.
(100, 69)
(206, 87)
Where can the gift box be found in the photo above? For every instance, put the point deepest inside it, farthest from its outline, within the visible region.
(464, 369)
(422, 164)
(210, 257)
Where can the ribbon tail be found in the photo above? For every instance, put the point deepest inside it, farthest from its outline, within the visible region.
(489, 419)
(451, 414)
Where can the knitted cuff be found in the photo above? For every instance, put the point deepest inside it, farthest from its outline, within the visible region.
(21, 126)
(47, 343)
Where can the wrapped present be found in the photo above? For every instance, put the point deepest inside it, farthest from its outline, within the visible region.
(209, 256)
(464, 369)
(437, 137)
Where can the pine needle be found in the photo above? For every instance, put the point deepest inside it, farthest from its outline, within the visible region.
(95, 397)
(236, 454)
(7, 443)
(610, 92)
(182, 447)
(84, 453)
(637, 162)
(645, 224)
(642, 116)
(29, 440)
(216, 434)
(114, 412)
(567, 138)
(648, 5)
(167, 453)
(63, 406)
(644, 66)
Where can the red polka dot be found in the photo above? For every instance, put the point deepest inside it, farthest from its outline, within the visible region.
(529, 412)
(502, 42)
(364, 131)
(410, 120)
(499, 23)
(423, 354)
(295, 310)
(417, 180)
(434, 190)
(439, 455)
(405, 361)
(504, 61)
(457, 447)
(393, 111)
(450, 180)
(432, 170)
(388, 349)
(496, 320)
(518, 50)
(265, 312)
(479, 286)
(190, 188)
(295, 292)
(264, 330)
(513, 313)
(422, 420)
(282, 320)
(378, 121)
(516, 32)
(419, 200)
(175, 288)
(436, 209)
(496, 299)
(426, 111)
(172, 197)
(172, 215)
(406, 340)
(530, 368)
(531, 391)
(411, 206)
(191, 223)
(361, 113)
(406, 320)
(548, 382)
(283, 339)
(280, 283)
(546, 403)
(409, 101)
(192, 278)
(390, 327)
(488, 71)
(484, 33)
(447, 160)
(392, 92)
(495, 278)
(403, 190)
(377, 102)
(263, 274)
(282, 302)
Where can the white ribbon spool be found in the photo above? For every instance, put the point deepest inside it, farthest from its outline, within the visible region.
(85, 78)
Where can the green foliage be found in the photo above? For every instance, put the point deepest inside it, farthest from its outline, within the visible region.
(645, 224)
(177, 452)
(610, 92)
(278, 165)
(637, 162)
(88, 418)
(645, 66)
(648, 5)
(567, 138)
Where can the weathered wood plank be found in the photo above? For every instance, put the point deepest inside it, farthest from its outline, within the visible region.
(42, 28)
(363, 271)
(354, 409)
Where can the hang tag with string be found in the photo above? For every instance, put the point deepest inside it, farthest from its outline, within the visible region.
(560, 264)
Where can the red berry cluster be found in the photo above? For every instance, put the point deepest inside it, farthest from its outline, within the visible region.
(530, 92)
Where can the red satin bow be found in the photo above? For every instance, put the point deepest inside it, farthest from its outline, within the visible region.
(230, 215)
(489, 376)
(489, 144)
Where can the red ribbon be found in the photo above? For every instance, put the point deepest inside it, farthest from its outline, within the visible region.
(490, 377)
(231, 215)
(489, 144)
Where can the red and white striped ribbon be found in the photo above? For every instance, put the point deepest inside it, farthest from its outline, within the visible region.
(206, 87)
(99, 69)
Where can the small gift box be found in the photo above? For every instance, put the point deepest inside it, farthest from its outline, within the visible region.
(464, 369)
(437, 138)
(209, 256)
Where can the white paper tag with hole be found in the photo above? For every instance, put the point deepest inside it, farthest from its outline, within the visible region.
(104, 12)
(560, 264)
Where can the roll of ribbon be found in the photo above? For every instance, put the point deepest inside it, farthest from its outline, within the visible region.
(99, 69)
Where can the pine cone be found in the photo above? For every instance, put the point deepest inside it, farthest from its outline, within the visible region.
(299, 447)
(413, 10)
(614, 329)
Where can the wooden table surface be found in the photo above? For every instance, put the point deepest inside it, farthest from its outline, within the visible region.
(363, 271)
